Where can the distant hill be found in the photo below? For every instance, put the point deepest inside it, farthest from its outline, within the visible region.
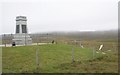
(77, 35)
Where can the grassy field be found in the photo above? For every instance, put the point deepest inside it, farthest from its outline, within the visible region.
(57, 58)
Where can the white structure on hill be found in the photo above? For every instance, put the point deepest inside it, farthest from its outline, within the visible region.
(21, 37)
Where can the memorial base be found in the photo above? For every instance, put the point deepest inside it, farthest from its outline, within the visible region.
(22, 39)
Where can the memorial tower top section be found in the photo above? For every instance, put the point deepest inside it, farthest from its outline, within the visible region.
(21, 24)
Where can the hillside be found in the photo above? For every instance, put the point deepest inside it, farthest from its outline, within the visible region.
(57, 58)
(111, 35)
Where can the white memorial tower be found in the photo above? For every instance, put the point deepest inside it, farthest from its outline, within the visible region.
(21, 36)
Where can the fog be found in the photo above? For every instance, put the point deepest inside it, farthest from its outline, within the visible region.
(60, 15)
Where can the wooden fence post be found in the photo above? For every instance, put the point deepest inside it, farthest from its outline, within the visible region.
(93, 53)
(73, 55)
(37, 59)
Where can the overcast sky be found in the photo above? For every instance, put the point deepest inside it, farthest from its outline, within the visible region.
(60, 15)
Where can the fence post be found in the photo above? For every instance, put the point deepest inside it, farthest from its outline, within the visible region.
(93, 52)
(73, 55)
(37, 59)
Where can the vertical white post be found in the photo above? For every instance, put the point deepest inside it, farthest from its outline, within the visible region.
(37, 59)
(20, 28)
(25, 39)
(72, 55)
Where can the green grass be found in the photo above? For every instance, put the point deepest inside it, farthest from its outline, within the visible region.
(57, 58)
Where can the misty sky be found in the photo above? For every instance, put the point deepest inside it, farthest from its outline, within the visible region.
(60, 15)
